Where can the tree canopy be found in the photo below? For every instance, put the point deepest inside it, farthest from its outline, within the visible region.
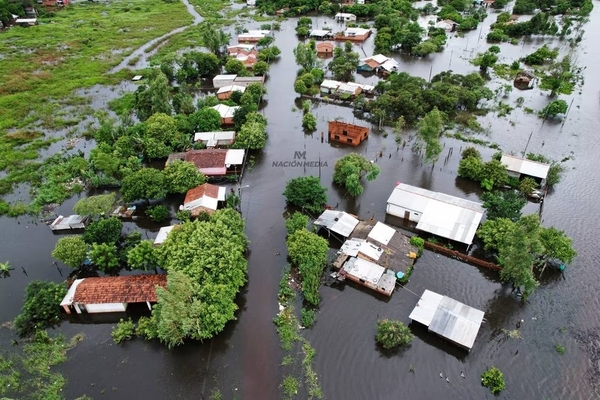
(430, 130)
(181, 176)
(344, 63)
(253, 133)
(506, 204)
(349, 171)
(306, 192)
(145, 184)
(95, 205)
(71, 250)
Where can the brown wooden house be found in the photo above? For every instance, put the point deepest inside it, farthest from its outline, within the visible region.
(342, 132)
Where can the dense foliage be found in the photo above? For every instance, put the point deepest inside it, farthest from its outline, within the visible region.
(181, 176)
(344, 63)
(306, 192)
(505, 204)
(253, 132)
(430, 128)
(142, 256)
(125, 330)
(145, 184)
(349, 171)
(295, 222)
(493, 379)
(41, 308)
(491, 174)
(95, 205)
(391, 334)
(105, 230)
(71, 250)
(308, 251)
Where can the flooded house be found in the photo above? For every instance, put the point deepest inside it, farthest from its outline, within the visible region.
(220, 81)
(26, 21)
(344, 89)
(72, 222)
(345, 17)
(215, 139)
(252, 36)
(205, 198)
(525, 80)
(354, 35)
(523, 168)
(320, 34)
(447, 25)
(226, 112)
(378, 64)
(109, 294)
(350, 134)
(225, 92)
(436, 213)
(213, 162)
(325, 49)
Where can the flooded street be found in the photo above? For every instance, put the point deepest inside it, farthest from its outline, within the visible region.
(244, 360)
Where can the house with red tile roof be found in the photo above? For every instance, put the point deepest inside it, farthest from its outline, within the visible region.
(112, 293)
(204, 198)
(213, 162)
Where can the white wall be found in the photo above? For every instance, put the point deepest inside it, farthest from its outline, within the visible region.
(107, 307)
(399, 212)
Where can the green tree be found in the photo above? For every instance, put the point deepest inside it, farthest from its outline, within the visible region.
(306, 57)
(154, 98)
(494, 232)
(70, 250)
(158, 213)
(300, 87)
(106, 230)
(350, 169)
(306, 192)
(260, 68)
(430, 130)
(104, 256)
(506, 204)
(265, 41)
(295, 222)
(392, 334)
(214, 39)
(95, 205)
(253, 134)
(41, 308)
(493, 379)
(554, 108)
(308, 251)
(344, 64)
(161, 136)
(495, 173)
(142, 256)
(309, 122)
(560, 78)
(527, 186)
(235, 66)
(557, 246)
(145, 184)
(181, 176)
(485, 60)
(206, 120)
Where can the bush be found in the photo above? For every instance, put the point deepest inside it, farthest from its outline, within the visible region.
(309, 122)
(146, 328)
(158, 213)
(306, 192)
(41, 308)
(125, 330)
(419, 243)
(71, 250)
(493, 379)
(296, 222)
(107, 230)
(391, 334)
(471, 152)
(308, 317)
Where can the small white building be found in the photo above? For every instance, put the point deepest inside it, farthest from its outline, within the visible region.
(251, 3)
(320, 34)
(223, 80)
(345, 17)
(521, 167)
(224, 93)
(226, 112)
(62, 223)
(204, 198)
(215, 139)
(339, 222)
(252, 36)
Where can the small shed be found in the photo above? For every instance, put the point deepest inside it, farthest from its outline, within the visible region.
(448, 318)
(137, 78)
(204, 198)
(447, 25)
(367, 89)
(163, 233)
(62, 223)
(338, 222)
(112, 293)
(343, 132)
(329, 86)
(225, 92)
(345, 17)
(354, 35)
(226, 112)
(215, 139)
(253, 36)
(521, 168)
(389, 66)
(369, 274)
(437, 213)
(324, 49)
(320, 34)
(223, 80)
(525, 80)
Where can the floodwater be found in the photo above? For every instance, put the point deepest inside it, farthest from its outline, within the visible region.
(243, 361)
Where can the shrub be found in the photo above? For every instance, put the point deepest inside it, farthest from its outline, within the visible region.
(391, 334)
(158, 213)
(419, 243)
(41, 308)
(146, 328)
(107, 230)
(306, 192)
(309, 122)
(296, 222)
(493, 379)
(308, 317)
(125, 330)
(471, 152)
(71, 250)
(527, 186)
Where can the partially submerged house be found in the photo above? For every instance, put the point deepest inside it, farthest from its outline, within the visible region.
(320, 34)
(337, 222)
(350, 134)
(162, 235)
(344, 89)
(225, 92)
(447, 25)
(379, 64)
(213, 162)
(436, 213)
(226, 112)
(325, 49)
(252, 36)
(525, 80)
(71, 222)
(220, 81)
(112, 293)
(215, 139)
(345, 17)
(523, 168)
(448, 318)
(354, 35)
(205, 198)
(246, 53)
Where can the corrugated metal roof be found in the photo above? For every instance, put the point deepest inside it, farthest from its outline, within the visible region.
(448, 318)
(163, 233)
(218, 136)
(329, 84)
(364, 269)
(390, 65)
(356, 31)
(225, 111)
(380, 58)
(353, 247)
(345, 88)
(339, 222)
(525, 167)
(382, 233)
(224, 78)
(320, 32)
(231, 88)
(234, 157)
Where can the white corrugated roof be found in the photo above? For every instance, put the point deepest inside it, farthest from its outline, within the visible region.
(329, 84)
(234, 157)
(379, 58)
(525, 167)
(344, 15)
(390, 65)
(225, 111)
(356, 31)
(68, 299)
(364, 269)
(320, 32)
(229, 77)
(366, 88)
(443, 215)
(205, 201)
(344, 87)
(352, 247)
(163, 233)
(382, 233)
(339, 222)
(207, 136)
(231, 88)
(448, 318)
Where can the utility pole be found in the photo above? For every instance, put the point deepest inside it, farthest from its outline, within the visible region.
(527, 145)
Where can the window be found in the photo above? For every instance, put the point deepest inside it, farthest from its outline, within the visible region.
(337, 137)
(349, 140)
(345, 132)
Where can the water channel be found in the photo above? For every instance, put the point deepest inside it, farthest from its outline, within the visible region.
(243, 361)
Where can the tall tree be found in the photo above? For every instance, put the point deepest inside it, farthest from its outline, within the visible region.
(349, 171)
(105, 257)
(506, 204)
(154, 98)
(214, 39)
(182, 176)
(344, 64)
(306, 192)
(142, 256)
(253, 134)
(306, 56)
(430, 130)
(145, 184)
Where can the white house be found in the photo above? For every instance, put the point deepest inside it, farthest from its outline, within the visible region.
(346, 17)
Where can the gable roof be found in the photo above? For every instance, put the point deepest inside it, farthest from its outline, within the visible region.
(203, 198)
(225, 111)
(116, 289)
(525, 166)
(207, 158)
(339, 222)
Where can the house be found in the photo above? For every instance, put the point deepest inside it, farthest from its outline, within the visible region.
(246, 53)
(26, 21)
(447, 25)
(380, 64)
(347, 133)
(436, 213)
(252, 36)
(223, 80)
(224, 93)
(320, 34)
(281, 12)
(213, 162)
(215, 139)
(236, 48)
(55, 3)
(338, 222)
(205, 198)
(163, 233)
(226, 80)
(344, 89)
(69, 223)
(448, 318)
(325, 49)
(525, 80)
(523, 168)
(354, 35)
(366, 89)
(345, 17)
(112, 293)
(329, 87)
(226, 112)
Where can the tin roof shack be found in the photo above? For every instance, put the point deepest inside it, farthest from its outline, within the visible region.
(252, 36)
(354, 35)
(447, 25)
(215, 139)
(226, 113)
(338, 222)
(213, 162)
(345, 17)
(71, 222)
(523, 168)
(112, 293)
(437, 213)
(321, 34)
(448, 318)
(379, 64)
(225, 92)
(325, 49)
(347, 133)
(205, 198)
(220, 81)
(163, 233)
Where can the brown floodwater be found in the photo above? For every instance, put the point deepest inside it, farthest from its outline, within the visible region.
(244, 361)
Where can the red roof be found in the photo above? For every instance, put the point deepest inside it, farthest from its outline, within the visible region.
(119, 289)
(203, 190)
(207, 158)
(324, 45)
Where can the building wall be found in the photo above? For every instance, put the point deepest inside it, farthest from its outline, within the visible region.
(349, 134)
(104, 308)
(401, 212)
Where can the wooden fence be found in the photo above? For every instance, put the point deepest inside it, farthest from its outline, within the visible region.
(461, 256)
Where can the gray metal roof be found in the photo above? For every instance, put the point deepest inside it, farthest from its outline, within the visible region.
(448, 318)
(339, 222)
(382, 233)
(443, 215)
(352, 247)
(525, 167)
